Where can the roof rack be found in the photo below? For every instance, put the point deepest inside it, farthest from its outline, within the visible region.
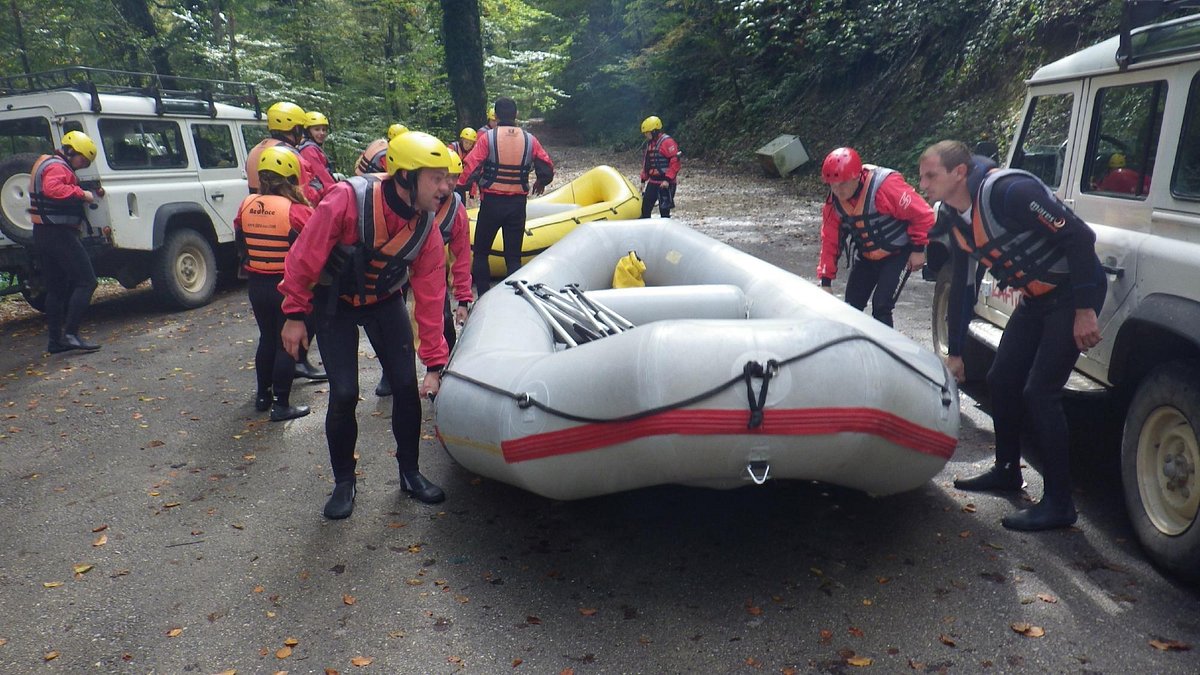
(1138, 13)
(183, 95)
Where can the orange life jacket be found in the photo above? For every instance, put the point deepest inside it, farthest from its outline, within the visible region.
(377, 265)
(256, 151)
(509, 161)
(268, 232)
(654, 163)
(44, 210)
(1026, 260)
(876, 235)
(373, 159)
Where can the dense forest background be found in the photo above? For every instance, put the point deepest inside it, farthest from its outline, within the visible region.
(726, 76)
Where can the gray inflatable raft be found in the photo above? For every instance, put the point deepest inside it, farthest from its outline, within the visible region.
(724, 371)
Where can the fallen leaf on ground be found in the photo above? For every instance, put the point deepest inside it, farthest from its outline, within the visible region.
(855, 631)
(100, 528)
(860, 661)
(362, 661)
(1170, 645)
(50, 656)
(83, 568)
(947, 640)
(516, 662)
(291, 642)
(283, 652)
(1046, 597)
(175, 632)
(1028, 630)
(349, 599)
(52, 584)
(588, 611)
(101, 540)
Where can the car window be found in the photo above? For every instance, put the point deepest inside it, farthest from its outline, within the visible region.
(214, 146)
(137, 144)
(253, 134)
(1043, 145)
(1186, 180)
(1123, 142)
(25, 134)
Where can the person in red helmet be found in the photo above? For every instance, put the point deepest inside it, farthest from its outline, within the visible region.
(882, 223)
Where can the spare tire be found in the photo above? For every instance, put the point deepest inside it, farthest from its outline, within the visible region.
(15, 222)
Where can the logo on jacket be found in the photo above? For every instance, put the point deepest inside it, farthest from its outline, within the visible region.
(1045, 217)
(260, 209)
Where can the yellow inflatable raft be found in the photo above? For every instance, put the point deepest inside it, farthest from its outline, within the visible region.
(600, 194)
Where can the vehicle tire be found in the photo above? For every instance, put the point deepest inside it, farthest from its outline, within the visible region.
(977, 359)
(184, 272)
(15, 222)
(1160, 466)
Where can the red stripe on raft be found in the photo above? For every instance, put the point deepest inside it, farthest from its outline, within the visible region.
(807, 422)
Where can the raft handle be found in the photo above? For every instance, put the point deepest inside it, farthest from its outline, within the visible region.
(759, 471)
(524, 401)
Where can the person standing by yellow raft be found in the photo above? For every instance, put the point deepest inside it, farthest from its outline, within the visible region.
(660, 168)
(266, 225)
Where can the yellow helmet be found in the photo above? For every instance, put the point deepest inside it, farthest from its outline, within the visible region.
(315, 119)
(81, 143)
(456, 165)
(491, 114)
(468, 134)
(395, 130)
(1117, 161)
(284, 116)
(416, 150)
(651, 123)
(278, 160)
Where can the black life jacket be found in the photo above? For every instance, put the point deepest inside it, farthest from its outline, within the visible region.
(1026, 260)
(654, 159)
(444, 217)
(509, 161)
(876, 235)
(377, 265)
(45, 210)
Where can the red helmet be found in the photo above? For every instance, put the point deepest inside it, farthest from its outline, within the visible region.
(841, 165)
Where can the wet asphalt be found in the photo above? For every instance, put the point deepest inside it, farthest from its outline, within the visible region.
(153, 522)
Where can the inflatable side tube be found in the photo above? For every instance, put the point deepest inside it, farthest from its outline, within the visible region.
(668, 303)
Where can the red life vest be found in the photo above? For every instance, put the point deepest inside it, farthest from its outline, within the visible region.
(377, 265)
(1026, 260)
(45, 210)
(509, 161)
(876, 235)
(268, 232)
(373, 159)
(256, 152)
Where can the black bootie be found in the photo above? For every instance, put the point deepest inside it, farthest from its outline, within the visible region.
(1004, 477)
(419, 487)
(341, 502)
(384, 388)
(281, 412)
(1048, 514)
(308, 370)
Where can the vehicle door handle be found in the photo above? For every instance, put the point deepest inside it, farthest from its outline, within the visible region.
(218, 195)
(1117, 272)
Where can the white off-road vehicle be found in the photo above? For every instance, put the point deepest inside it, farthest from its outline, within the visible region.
(172, 162)
(1114, 129)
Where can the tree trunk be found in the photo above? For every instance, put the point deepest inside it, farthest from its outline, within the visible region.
(137, 13)
(16, 14)
(462, 42)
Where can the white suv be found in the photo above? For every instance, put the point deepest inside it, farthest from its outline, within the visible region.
(1114, 129)
(172, 162)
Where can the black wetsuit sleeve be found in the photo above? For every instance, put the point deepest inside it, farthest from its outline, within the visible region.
(961, 303)
(1025, 204)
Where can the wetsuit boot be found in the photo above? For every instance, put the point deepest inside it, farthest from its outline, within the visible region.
(1051, 513)
(418, 487)
(1002, 477)
(341, 502)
